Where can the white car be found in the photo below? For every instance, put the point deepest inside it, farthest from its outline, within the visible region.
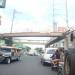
(46, 57)
(31, 53)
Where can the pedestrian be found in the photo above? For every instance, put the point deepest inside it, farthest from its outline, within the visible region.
(61, 51)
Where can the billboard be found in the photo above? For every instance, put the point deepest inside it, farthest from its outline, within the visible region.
(61, 29)
(2, 3)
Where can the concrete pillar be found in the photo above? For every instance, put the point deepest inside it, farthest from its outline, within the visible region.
(66, 43)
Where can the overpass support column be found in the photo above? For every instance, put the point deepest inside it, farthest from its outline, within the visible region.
(66, 43)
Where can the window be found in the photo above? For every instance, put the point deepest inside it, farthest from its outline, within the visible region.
(50, 52)
(5, 49)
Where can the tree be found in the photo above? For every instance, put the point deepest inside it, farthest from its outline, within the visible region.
(18, 45)
(27, 48)
(40, 50)
(8, 41)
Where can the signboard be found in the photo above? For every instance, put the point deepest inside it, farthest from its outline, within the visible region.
(2, 3)
(61, 29)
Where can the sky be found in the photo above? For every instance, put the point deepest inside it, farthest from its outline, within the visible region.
(36, 15)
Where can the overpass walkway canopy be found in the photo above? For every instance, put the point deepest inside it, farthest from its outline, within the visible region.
(32, 34)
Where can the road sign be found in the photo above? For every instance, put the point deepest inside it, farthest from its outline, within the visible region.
(2, 3)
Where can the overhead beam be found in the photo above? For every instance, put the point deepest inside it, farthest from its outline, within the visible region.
(32, 34)
(30, 39)
(33, 43)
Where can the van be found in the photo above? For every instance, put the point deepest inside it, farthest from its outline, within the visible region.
(47, 56)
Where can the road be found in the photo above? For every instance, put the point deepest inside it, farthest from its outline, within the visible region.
(28, 65)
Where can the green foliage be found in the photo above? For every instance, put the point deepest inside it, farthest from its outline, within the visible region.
(2, 42)
(27, 48)
(40, 50)
(20, 45)
(8, 41)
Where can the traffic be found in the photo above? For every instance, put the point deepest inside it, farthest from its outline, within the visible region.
(37, 37)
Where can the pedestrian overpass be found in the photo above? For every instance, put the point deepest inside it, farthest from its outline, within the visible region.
(32, 34)
(33, 42)
(9, 36)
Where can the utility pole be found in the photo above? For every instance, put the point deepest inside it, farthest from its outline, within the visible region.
(54, 23)
(67, 22)
(53, 17)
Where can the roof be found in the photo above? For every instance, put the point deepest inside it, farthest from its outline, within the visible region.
(54, 41)
(51, 48)
(7, 47)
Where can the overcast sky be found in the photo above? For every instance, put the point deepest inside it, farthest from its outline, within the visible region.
(35, 15)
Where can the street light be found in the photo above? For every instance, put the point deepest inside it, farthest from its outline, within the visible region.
(12, 21)
(13, 17)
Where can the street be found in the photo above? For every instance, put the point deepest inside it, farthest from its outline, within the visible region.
(28, 65)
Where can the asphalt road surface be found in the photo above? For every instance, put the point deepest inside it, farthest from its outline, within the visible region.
(28, 65)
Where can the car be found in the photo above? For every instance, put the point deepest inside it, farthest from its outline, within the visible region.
(7, 54)
(46, 56)
(31, 53)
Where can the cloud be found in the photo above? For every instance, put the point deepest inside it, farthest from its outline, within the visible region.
(33, 26)
(36, 15)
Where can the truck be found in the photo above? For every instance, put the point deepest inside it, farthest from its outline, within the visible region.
(69, 61)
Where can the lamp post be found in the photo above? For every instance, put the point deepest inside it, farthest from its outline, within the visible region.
(53, 18)
(9, 41)
(13, 17)
(12, 21)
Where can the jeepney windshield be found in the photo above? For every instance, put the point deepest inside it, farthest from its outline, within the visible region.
(5, 49)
